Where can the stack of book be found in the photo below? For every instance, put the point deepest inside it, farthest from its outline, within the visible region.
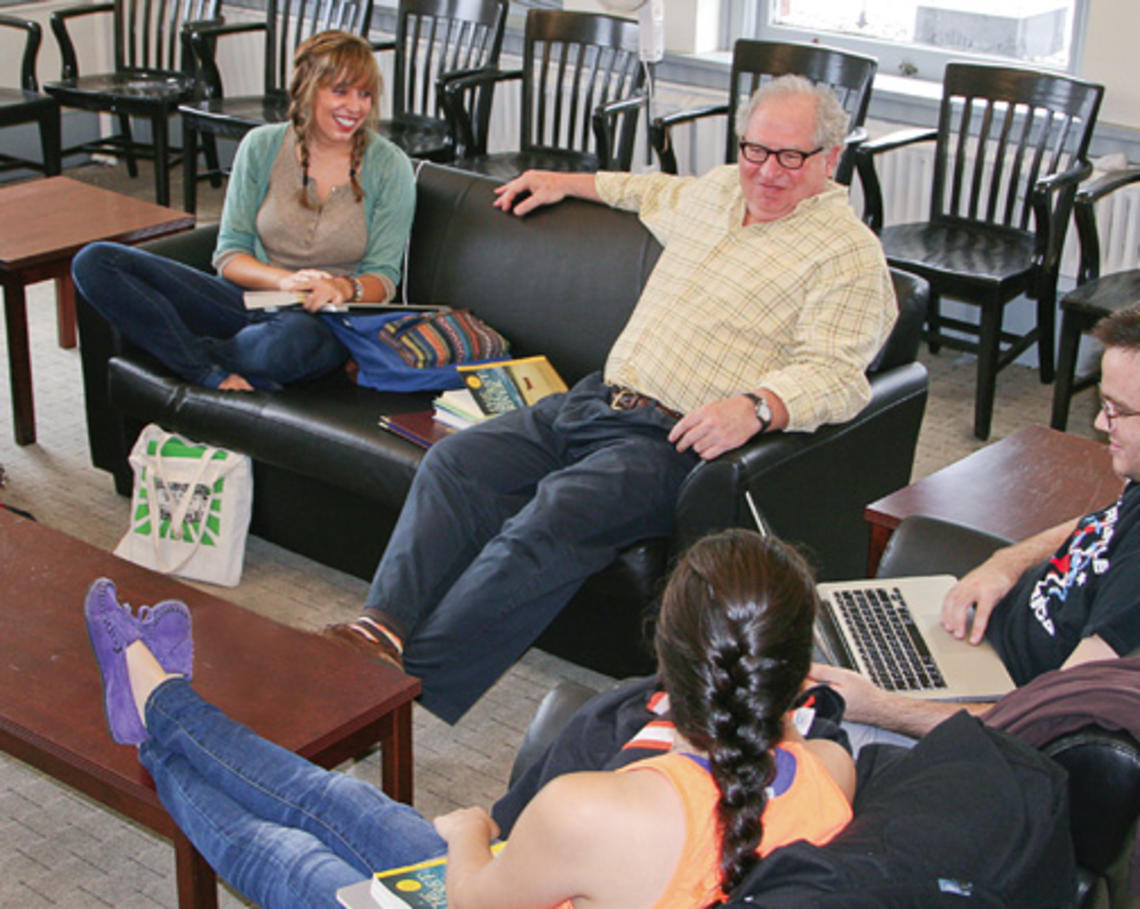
(458, 409)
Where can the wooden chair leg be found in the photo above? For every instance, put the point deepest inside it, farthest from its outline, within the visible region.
(161, 138)
(989, 348)
(128, 145)
(933, 322)
(189, 166)
(1046, 325)
(50, 142)
(1066, 370)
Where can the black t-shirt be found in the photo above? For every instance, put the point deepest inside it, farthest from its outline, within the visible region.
(1090, 586)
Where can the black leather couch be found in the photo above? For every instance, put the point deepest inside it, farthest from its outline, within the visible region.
(329, 483)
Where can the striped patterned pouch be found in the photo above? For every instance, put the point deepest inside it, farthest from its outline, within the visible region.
(437, 339)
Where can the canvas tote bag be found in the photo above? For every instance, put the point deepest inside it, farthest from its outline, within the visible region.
(190, 508)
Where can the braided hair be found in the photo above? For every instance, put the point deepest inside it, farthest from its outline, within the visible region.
(332, 58)
(733, 646)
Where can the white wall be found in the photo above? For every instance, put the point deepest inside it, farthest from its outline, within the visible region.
(1110, 58)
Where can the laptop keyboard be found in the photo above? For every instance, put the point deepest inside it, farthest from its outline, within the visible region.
(888, 640)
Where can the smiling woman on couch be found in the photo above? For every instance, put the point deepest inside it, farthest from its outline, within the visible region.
(319, 207)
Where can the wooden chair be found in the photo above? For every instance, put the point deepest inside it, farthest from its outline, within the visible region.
(438, 40)
(1010, 149)
(756, 62)
(27, 105)
(153, 74)
(211, 114)
(583, 89)
(1094, 297)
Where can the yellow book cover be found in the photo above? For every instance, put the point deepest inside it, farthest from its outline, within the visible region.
(510, 384)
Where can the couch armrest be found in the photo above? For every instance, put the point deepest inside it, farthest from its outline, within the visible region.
(811, 488)
(925, 545)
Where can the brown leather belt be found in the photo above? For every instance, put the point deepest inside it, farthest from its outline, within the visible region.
(628, 399)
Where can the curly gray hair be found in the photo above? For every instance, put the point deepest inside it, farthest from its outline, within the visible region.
(830, 119)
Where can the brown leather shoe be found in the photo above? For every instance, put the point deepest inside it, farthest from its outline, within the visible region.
(363, 639)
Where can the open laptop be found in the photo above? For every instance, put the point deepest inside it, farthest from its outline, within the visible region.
(890, 630)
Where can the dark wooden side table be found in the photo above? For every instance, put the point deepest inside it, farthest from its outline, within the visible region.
(43, 223)
(299, 690)
(1026, 483)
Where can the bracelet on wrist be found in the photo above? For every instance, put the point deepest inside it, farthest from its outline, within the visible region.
(357, 290)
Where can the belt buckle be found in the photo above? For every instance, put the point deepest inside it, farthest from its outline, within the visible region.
(624, 399)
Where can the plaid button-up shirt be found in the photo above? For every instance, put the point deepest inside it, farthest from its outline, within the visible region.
(799, 305)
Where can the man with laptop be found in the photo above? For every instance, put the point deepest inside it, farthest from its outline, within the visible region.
(1067, 596)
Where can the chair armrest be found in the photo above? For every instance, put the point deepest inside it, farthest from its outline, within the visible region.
(660, 131)
(1052, 220)
(552, 715)
(812, 488)
(1104, 792)
(1084, 213)
(202, 36)
(69, 68)
(865, 165)
(465, 137)
(388, 44)
(31, 49)
(926, 545)
(603, 119)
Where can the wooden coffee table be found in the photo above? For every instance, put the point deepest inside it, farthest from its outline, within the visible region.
(303, 692)
(1026, 483)
(44, 223)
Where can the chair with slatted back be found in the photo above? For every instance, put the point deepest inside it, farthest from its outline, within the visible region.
(583, 90)
(756, 62)
(153, 74)
(212, 114)
(440, 40)
(1010, 150)
(27, 105)
(1095, 295)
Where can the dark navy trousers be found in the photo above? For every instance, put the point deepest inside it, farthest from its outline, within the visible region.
(503, 523)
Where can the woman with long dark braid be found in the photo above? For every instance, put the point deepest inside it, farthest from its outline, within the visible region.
(675, 831)
(319, 206)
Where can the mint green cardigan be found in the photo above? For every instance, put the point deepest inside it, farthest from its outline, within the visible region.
(389, 200)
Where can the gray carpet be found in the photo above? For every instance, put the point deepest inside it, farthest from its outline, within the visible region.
(59, 849)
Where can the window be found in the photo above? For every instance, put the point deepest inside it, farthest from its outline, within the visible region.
(917, 37)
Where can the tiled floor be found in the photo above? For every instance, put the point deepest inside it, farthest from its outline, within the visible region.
(58, 849)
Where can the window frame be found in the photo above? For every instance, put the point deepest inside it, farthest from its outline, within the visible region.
(751, 17)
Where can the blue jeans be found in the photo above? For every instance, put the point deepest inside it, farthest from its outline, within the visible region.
(503, 523)
(280, 830)
(197, 324)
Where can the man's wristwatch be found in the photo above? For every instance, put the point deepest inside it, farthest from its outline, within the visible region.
(761, 409)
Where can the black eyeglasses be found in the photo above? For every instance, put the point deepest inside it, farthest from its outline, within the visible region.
(787, 158)
(1112, 412)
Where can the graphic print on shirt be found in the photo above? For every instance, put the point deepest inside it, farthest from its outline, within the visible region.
(1086, 552)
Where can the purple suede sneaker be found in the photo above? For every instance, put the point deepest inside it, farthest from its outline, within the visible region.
(165, 629)
(111, 629)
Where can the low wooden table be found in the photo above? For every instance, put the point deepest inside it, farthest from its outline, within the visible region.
(43, 223)
(1026, 483)
(303, 692)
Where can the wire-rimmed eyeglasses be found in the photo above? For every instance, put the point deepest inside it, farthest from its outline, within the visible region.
(787, 158)
(1113, 412)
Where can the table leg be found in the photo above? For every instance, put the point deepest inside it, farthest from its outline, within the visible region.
(65, 310)
(197, 883)
(879, 537)
(396, 768)
(19, 362)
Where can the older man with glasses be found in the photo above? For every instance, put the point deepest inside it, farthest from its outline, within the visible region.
(1067, 596)
(768, 303)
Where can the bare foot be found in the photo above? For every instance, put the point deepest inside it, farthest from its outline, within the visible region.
(234, 382)
(145, 674)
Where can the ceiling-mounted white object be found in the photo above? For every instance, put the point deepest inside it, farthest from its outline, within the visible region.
(650, 22)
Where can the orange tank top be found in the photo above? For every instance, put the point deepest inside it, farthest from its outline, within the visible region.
(804, 803)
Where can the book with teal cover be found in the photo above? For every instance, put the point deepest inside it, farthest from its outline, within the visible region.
(419, 886)
(510, 384)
